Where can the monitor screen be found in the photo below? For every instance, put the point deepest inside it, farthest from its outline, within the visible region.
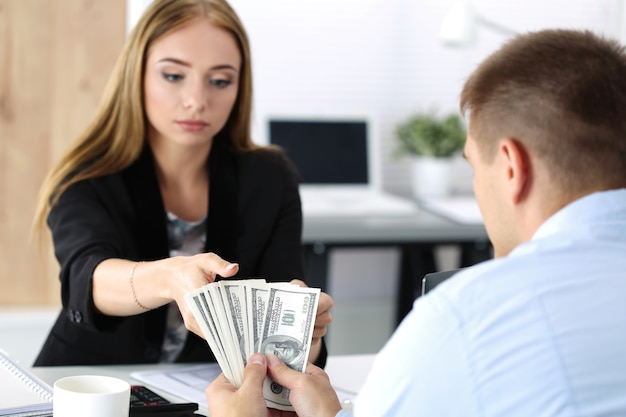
(326, 152)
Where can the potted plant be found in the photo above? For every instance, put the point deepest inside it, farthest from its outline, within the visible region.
(431, 142)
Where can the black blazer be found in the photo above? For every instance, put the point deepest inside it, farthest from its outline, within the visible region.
(254, 219)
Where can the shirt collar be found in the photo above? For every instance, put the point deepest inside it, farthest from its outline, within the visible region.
(601, 205)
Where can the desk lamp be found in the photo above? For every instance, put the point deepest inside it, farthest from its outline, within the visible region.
(459, 25)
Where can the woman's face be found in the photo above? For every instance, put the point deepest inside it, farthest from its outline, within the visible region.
(191, 81)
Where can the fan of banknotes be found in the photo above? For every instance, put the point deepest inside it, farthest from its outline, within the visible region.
(239, 318)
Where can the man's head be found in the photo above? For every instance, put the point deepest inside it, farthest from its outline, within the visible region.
(547, 125)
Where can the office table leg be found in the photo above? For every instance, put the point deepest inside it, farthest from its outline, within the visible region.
(417, 260)
(475, 252)
(316, 265)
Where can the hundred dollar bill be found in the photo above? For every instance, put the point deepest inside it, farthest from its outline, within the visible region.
(240, 299)
(197, 303)
(226, 329)
(287, 332)
(236, 310)
(258, 293)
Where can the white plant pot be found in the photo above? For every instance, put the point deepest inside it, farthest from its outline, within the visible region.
(432, 177)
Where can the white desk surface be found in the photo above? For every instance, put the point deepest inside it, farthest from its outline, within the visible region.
(421, 226)
(346, 372)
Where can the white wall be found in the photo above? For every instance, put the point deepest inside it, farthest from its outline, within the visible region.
(382, 57)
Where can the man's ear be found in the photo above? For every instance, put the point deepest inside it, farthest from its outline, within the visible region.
(516, 163)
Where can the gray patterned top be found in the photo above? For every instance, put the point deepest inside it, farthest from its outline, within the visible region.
(185, 238)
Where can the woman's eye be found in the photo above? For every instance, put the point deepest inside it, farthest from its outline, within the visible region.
(172, 77)
(220, 83)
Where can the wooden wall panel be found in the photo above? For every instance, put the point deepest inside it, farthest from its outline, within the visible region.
(55, 59)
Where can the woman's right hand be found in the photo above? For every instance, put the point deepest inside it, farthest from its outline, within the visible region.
(190, 272)
(124, 288)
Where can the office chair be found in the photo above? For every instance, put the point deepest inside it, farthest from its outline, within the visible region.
(433, 279)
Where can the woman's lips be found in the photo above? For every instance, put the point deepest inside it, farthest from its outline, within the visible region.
(192, 125)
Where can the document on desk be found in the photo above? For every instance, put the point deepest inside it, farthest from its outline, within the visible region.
(189, 383)
(463, 209)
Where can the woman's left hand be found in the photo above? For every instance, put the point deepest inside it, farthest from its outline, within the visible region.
(322, 320)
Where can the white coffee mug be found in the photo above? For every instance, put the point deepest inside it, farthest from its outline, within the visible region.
(91, 395)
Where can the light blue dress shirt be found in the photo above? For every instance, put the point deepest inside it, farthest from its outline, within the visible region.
(541, 332)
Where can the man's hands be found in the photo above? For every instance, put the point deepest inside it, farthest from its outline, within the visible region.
(224, 400)
(311, 393)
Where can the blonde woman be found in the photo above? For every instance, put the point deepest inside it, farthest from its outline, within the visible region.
(163, 187)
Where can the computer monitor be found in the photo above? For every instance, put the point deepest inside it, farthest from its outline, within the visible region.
(339, 164)
(327, 152)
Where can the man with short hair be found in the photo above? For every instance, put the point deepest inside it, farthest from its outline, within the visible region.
(541, 329)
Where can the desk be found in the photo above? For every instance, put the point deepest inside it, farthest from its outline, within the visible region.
(416, 235)
(347, 372)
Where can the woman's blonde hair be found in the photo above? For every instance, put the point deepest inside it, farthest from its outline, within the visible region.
(117, 134)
